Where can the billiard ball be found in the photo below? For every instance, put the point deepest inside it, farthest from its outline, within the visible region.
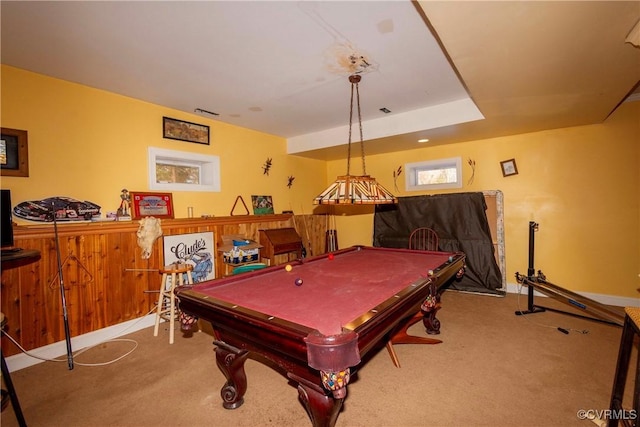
(450, 259)
(298, 282)
(430, 272)
(330, 256)
(288, 267)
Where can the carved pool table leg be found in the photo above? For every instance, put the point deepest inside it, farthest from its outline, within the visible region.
(430, 308)
(430, 322)
(230, 361)
(323, 409)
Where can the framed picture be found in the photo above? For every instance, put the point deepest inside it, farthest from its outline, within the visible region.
(14, 153)
(197, 249)
(262, 205)
(157, 205)
(185, 131)
(509, 167)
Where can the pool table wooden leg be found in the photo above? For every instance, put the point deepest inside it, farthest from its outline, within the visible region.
(430, 322)
(430, 308)
(323, 409)
(230, 361)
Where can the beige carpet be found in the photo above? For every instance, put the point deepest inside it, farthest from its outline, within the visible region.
(493, 369)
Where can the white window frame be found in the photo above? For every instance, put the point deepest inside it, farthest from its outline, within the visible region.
(412, 169)
(209, 170)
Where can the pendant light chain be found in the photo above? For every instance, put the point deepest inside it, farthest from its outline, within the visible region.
(350, 124)
(350, 189)
(364, 167)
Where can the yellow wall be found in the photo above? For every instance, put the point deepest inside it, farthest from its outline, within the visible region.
(90, 144)
(580, 184)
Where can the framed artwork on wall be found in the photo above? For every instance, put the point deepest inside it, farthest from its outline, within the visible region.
(197, 249)
(509, 167)
(157, 205)
(262, 205)
(185, 131)
(14, 153)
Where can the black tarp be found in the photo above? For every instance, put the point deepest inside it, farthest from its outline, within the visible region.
(459, 219)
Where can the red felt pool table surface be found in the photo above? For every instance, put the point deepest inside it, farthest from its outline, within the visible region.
(334, 291)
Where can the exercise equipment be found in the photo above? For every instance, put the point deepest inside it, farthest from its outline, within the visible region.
(597, 311)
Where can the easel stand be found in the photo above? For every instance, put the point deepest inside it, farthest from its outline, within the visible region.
(599, 312)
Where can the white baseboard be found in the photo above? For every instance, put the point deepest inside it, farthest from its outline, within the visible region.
(614, 300)
(57, 349)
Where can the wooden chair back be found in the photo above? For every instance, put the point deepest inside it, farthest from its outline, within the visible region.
(423, 239)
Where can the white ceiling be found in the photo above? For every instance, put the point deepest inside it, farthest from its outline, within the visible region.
(449, 71)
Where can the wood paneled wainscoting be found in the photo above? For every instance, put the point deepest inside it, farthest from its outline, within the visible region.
(106, 280)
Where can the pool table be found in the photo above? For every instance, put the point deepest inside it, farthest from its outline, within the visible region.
(317, 318)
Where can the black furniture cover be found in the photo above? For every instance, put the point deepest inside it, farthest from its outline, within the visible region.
(461, 223)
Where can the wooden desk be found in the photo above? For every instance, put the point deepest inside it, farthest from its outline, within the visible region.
(276, 241)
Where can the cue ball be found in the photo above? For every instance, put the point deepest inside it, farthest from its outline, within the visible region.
(298, 282)
(330, 256)
(288, 267)
(430, 272)
(450, 258)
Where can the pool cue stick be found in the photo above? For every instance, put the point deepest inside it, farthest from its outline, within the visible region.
(65, 316)
(306, 230)
(332, 233)
(327, 246)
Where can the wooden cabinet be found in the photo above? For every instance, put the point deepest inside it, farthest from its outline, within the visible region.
(280, 241)
(106, 280)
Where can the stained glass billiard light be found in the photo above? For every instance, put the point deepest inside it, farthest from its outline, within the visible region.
(355, 189)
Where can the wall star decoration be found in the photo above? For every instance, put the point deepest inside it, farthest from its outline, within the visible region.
(267, 166)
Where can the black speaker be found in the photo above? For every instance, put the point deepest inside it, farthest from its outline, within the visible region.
(6, 223)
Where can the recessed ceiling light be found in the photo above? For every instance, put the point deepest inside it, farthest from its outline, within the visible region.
(423, 140)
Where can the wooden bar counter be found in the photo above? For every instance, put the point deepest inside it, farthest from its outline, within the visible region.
(105, 277)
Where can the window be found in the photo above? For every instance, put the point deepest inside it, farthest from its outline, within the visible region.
(169, 172)
(179, 171)
(434, 174)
